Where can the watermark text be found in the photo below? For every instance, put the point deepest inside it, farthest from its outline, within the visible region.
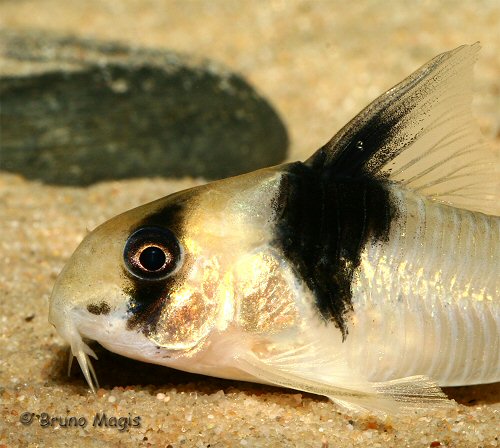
(99, 420)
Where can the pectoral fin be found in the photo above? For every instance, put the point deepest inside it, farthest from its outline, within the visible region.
(301, 372)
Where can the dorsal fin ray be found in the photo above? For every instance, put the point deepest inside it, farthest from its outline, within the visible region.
(421, 133)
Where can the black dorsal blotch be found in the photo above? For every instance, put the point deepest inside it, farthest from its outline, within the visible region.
(338, 200)
(326, 219)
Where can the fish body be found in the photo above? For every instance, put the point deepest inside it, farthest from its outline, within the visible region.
(368, 273)
(426, 301)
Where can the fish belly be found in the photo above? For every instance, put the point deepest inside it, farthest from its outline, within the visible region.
(427, 301)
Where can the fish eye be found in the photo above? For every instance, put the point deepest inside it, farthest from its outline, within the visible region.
(151, 253)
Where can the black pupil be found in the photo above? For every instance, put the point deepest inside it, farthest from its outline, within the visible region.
(152, 258)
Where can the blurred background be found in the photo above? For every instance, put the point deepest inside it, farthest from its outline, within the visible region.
(98, 90)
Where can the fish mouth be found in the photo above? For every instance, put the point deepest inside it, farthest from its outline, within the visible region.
(78, 329)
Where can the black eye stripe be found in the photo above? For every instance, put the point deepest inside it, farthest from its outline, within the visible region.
(151, 253)
(148, 297)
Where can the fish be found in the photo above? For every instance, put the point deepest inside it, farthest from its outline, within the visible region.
(368, 273)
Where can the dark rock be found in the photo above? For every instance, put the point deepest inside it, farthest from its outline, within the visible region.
(78, 111)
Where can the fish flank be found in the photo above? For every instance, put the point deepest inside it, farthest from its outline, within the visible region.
(442, 302)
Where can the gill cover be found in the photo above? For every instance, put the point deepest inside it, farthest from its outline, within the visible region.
(201, 234)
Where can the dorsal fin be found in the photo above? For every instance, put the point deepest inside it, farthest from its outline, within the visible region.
(421, 133)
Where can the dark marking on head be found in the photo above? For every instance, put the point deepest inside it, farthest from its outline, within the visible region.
(98, 308)
(146, 304)
(326, 219)
(172, 214)
(148, 297)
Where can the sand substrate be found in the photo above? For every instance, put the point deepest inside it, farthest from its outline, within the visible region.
(318, 63)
